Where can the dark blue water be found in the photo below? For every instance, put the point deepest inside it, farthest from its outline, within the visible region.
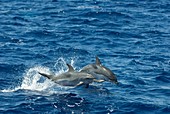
(131, 37)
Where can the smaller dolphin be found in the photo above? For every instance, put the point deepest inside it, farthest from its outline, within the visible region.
(71, 78)
(100, 72)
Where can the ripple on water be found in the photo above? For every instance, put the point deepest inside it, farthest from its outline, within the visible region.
(132, 39)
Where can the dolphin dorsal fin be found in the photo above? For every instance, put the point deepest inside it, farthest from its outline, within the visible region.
(70, 68)
(98, 61)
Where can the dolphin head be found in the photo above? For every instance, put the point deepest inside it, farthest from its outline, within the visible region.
(102, 72)
(105, 71)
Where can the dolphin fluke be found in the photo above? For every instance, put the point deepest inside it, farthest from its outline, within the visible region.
(46, 75)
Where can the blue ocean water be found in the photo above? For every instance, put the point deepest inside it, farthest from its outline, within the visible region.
(131, 37)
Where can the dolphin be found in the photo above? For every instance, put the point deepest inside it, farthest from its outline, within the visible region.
(100, 72)
(70, 78)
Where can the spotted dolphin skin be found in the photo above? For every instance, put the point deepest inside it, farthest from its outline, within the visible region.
(100, 72)
(70, 78)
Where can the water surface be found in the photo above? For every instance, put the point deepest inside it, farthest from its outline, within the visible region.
(132, 38)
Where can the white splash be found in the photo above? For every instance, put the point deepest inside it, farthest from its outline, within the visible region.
(10, 90)
(61, 66)
(32, 80)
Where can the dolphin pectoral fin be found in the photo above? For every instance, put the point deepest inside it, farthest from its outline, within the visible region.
(95, 80)
(46, 75)
(79, 84)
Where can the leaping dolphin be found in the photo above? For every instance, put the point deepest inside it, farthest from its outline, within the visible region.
(100, 72)
(70, 78)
